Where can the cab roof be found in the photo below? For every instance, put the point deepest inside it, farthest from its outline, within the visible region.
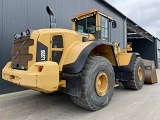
(88, 14)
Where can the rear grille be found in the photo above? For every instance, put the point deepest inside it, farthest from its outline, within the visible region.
(20, 53)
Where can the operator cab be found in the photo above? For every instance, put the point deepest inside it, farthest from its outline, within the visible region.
(94, 22)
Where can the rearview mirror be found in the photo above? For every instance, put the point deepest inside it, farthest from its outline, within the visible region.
(114, 24)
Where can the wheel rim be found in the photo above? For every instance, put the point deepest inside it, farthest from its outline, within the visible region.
(101, 83)
(140, 73)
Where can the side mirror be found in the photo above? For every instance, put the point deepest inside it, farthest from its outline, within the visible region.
(114, 24)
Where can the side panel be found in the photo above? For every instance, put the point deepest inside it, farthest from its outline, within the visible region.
(124, 58)
(128, 64)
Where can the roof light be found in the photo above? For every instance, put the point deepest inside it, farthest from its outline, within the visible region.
(17, 36)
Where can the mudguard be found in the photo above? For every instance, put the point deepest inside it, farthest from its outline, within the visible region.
(123, 73)
(78, 64)
(130, 66)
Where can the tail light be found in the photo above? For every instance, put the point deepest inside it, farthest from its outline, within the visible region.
(40, 68)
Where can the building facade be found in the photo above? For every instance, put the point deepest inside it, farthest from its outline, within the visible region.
(17, 16)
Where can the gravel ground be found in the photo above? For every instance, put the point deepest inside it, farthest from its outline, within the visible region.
(125, 105)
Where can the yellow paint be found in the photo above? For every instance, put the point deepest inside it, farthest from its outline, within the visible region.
(101, 84)
(75, 51)
(32, 49)
(124, 58)
(70, 38)
(140, 74)
(129, 47)
(73, 26)
(73, 45)
(98, 22)
(85, 13)
(107, 16)
(107, 52)
(62, 83)
(89, 13)
(57, 49)
(43, 81)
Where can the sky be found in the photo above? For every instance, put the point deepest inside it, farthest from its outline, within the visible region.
(146, 13)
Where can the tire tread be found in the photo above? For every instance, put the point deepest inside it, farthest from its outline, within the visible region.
(83, 101)
(131, 83)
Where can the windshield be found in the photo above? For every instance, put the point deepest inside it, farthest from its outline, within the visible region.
(87, 25)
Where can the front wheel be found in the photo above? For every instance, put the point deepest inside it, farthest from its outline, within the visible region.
(136, 81)
(97, 83)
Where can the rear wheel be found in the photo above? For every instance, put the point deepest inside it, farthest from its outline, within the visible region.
(136, 81)
(97, 84)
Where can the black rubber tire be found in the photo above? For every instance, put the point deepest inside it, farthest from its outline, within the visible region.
(134, 83)
(89, 99)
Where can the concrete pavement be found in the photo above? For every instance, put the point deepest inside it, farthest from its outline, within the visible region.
(125, 105)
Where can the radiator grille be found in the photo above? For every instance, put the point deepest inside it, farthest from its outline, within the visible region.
(20, 53)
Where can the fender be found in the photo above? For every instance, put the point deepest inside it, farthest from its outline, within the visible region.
(130, 66)
(78, 64)
(123, 73)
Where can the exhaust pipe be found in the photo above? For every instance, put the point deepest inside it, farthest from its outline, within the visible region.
(52, 17)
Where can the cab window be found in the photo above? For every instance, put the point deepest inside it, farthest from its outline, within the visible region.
(104, 27)
(87, 25)
(57, 41)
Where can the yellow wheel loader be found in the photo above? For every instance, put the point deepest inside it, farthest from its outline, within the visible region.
(82, 62)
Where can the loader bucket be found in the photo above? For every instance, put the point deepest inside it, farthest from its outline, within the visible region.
(150, 72)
